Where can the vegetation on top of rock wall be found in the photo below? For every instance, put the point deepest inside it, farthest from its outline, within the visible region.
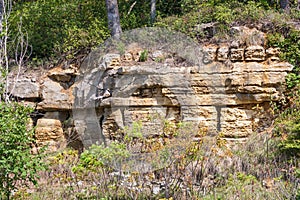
(70, 27)
(65, 28)
(61, 26)
(223, 14)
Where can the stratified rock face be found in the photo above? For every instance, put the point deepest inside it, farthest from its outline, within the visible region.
(255, 53)
(216, 94)
(49, 132)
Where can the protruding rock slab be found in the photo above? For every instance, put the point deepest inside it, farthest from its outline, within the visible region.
(25, 88)
(223, 53)
(210, 54)
(55, 96)
(59, 74)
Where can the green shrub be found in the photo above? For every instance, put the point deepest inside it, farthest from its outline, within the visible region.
(288, 125)
(289, 44)
(224, 14)
(60, 27)
(18, 166)
(144, 56)
(102, 156)
(55, 27)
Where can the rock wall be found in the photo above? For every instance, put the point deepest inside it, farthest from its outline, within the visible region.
(146, 85)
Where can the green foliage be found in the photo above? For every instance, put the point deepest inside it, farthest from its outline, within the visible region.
(55, 27)
(240, 185)
(103, 156)
(292, 80)
(288, 126)
(223, 12)
(287, 129)
(252, 12)
(289, 43)
(144, 56)
(18, 166)
(134, 132)
(69, 27)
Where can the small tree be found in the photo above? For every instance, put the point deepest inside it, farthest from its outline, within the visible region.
(18, 166)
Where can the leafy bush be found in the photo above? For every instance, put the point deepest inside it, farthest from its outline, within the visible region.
(100, 156)
(227, 13)
(288, 125)
(67, 27)
(61, 26)
(18, 166)
(289, 43)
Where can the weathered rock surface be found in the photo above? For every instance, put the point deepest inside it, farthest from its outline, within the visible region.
(24, 88)
(113, 91)
(59, 74)
(55, 96)
(49, 132)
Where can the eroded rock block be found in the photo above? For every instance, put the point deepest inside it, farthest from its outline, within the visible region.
(255, 89)
(223, 53)
(158, 55)
(236, 122)
(55, 97)
(273, 51)
(24, 88)
(235, 114)
(244, 36)
(127, 57)
(237, 129)
(62, 75)
(49, 132)
(273, 54)
(209, 54)
(109, 61)
(255, 53)
(237, 54)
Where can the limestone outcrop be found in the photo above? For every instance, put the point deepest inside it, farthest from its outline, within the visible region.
(117, 89)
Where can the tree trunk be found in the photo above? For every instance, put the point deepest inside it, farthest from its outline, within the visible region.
(153, 11)
(113, 18)
(284, 5)
(1, 14)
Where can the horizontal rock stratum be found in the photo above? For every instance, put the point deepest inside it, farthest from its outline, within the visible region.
(140, 83)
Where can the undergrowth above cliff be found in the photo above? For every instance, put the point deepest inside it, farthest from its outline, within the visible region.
(61, 30)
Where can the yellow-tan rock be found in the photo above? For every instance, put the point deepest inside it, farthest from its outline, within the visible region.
(49, 132)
